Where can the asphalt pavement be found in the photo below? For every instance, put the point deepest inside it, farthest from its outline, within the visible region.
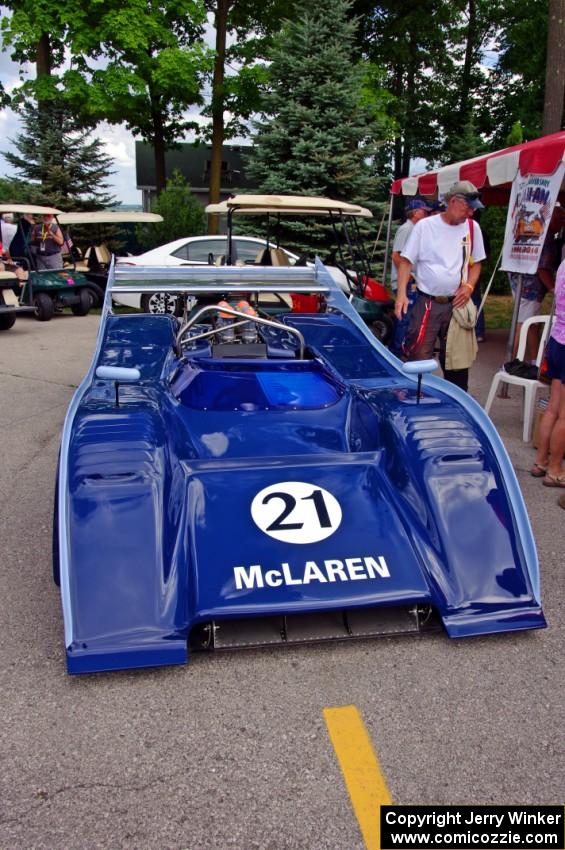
(232, 750)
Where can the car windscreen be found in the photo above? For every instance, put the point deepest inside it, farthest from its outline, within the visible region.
(198, 252)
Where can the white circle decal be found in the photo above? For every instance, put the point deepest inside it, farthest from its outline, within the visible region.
(296, 512)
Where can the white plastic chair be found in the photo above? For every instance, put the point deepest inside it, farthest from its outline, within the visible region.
(530, 387)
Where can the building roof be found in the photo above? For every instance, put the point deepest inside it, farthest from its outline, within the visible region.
(193, 162)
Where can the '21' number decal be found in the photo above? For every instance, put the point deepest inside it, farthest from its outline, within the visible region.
(296, 512)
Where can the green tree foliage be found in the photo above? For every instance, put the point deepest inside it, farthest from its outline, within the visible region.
(183, 215)
(467, 100)
(431, 78)
(239, 72)
(517, 82)
(251, 26)
(413, 64)
(516, 135)
(315, 135)
(133, 62)
(149, 61)
(493, 223)
(32, 33)
(15, 191)
(465, 143)
(62, 165)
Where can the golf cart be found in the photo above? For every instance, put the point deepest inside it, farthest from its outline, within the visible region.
(10, 306)
(95, 261)
(46, 291)
(348, 263)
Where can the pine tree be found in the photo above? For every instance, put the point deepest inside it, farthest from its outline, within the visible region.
(314, 138)
(183, 215)
(60, 161)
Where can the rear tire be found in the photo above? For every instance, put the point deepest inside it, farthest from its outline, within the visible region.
(383, 329)
(96, 295)
(161, 304)
(83, 307)
(44, 307)
(7, 321)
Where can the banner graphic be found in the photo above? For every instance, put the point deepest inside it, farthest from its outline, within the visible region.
(532, 200)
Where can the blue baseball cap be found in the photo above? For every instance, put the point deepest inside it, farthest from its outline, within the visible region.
(417, 204)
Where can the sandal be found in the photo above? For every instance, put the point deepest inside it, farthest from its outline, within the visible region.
(554, 480)
(538, 470)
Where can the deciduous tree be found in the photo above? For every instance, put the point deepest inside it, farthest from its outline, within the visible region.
(555, 68)
(250, 25)
(142, 65)
(134, 62)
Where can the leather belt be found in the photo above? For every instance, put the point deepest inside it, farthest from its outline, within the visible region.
(439, 299)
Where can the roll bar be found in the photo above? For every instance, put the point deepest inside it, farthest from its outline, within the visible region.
(216, 308)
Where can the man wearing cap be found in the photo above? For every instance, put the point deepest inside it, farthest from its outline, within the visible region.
(444, 254)
(416, 209)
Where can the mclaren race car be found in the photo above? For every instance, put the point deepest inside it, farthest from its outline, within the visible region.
(262, 471)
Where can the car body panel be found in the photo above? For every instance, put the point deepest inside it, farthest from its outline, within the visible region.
(177, 253)
(164, 484)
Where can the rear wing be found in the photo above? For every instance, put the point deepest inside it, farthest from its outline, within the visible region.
(202, 279)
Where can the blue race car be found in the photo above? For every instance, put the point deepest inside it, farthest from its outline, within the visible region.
(251, 474)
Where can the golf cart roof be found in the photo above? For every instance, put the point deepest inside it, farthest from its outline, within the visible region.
(109, 217)
(29, 209)
(287, 204)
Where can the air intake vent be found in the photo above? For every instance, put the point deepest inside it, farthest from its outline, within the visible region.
(311, 628)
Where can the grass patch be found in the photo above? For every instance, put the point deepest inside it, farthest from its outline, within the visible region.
(498, 310)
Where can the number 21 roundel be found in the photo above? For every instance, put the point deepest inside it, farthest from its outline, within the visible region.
(296, 512)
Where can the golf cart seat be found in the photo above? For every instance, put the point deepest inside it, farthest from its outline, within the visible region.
(97, 256)
(75, 260)
(263, 258)
(278, 257)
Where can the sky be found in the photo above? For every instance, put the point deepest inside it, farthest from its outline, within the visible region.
(117, 141)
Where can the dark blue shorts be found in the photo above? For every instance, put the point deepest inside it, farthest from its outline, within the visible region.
(555, 354)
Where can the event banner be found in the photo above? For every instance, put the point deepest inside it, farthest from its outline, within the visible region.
(531, 204)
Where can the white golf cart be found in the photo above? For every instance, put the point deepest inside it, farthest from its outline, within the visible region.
(47, 288)
(101, 227)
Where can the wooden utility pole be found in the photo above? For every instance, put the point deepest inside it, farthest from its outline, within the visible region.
(554, 98)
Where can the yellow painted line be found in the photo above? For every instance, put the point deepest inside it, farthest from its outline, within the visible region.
(361, 770)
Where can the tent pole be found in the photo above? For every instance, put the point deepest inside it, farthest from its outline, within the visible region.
(487, 290)
(510, 344)
(388, 232)
(376, 242)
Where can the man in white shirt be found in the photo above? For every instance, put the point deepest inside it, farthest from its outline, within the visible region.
(416, 209)
(444, 254)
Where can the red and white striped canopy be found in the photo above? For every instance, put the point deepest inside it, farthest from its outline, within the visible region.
(540, 156)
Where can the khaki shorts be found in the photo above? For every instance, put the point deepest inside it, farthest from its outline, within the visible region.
(528, 309)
